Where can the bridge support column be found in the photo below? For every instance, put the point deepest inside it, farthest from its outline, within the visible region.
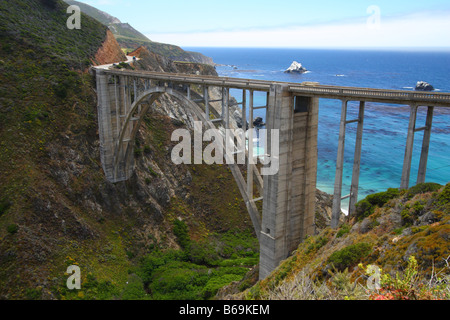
(357, 160)
(425, 146)
(289, 195)
(409, 148)
(336, 213)
(105, 116)
(337, 197)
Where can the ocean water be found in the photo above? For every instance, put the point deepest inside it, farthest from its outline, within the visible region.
(385, 126)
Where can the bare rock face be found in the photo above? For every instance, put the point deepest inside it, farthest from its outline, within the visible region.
(296, 67)
(424, 86)
(110, 51)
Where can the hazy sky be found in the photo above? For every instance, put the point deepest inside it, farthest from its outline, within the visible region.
(287, 23)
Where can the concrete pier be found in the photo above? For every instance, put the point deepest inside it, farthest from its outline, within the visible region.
(288, 211)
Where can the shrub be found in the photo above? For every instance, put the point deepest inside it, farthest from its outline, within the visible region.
(12, 228)
(203, 253)
(180, 229)
(317, 244)
(343, 230)
(214, 284)
(443, 199)
(4, 206)
(61, 90)
(137, 152)
(422, 188)
(379, 199)
(179, 280)
(156, 259)
(363, 209)
(366, 207)
(349, 255)
(50, 3)
(134, 290)
(407, 219)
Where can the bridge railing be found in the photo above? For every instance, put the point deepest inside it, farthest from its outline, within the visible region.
(238, 83)
(311, 89)
(359, 94)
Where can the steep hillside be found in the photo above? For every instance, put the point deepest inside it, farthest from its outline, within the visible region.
(130, 39)
(404, 235)
(57, 209)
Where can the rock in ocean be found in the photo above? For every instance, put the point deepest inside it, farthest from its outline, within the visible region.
(424, 86)
(258, 122)
(296, 67)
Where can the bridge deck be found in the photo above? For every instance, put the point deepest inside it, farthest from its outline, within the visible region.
(440, 99)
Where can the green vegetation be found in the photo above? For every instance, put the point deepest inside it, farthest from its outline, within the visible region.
(180, 230)
(4, 206)
(349, 256)
(318, 243)
(408, 285)
(12, 228)
(199, 269)
(366, 207)
(410, 258)
(344, 229)
(422, 188)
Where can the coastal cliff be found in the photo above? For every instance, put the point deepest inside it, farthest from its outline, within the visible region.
(131, 39)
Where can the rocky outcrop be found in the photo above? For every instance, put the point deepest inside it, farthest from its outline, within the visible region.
(424, 86)
(110, 51)
(258, 122)
(296, 67)
(200, 58)
(237, 115)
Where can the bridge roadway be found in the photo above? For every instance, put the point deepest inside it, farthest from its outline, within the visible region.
(292, 110)
(437, 99)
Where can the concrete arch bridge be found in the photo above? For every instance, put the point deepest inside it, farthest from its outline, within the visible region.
(287, 193)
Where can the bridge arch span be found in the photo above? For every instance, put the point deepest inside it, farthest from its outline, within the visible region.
(123, 156)
(124, 159)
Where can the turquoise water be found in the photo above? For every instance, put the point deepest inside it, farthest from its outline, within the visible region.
(385, 126)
